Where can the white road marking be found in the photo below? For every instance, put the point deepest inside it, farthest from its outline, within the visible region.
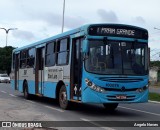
(12, 95)
(156, 114)
(29, 101)
(106, 128)
(46, 106)
(54, 108)
(3, 92)
(153, 101)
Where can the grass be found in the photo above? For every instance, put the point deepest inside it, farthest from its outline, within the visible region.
(154, 97)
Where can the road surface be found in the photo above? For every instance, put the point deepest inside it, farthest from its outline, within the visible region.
(13, 107)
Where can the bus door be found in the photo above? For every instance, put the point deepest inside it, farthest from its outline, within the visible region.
(39, 71)
(76, 69)
(16, 58)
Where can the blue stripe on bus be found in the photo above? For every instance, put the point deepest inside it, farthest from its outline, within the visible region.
(49, 89)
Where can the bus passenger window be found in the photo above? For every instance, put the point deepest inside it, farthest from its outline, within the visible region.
(50, 54)
(23, 59)
(63, 52)
(31, 57)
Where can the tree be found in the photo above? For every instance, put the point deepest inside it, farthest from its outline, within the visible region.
(5, 59)
(155, 63)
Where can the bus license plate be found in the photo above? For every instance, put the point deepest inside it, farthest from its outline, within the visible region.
(121, 97)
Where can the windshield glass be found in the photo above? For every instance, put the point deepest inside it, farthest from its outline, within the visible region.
(113, 57)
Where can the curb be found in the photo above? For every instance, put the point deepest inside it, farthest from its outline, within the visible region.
(153, 101)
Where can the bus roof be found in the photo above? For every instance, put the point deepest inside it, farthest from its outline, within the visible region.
(50, 38)
(74, 31)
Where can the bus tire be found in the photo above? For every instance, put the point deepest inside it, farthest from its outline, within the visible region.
(26, 94)
(110, 106)
(63, 102)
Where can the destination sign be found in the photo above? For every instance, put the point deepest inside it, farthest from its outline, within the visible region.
(122, 31)
(103, 30)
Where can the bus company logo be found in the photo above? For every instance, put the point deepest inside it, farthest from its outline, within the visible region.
(25, 72)
(112, 85)
(123, 89)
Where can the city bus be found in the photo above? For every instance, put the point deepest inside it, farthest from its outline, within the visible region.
(96, 63)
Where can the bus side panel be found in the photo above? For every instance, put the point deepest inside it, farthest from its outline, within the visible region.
(52, 76)
(68, 91)
(28, 75)
(31, 86)
(13, 84)
(20, 87)
(50, 89)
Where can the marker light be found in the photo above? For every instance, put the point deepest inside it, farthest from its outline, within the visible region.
(142, 89)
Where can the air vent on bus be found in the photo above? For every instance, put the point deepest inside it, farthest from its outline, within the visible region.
(120, 79)
(120, 90)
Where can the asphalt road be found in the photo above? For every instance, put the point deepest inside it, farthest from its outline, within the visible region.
(13, 107)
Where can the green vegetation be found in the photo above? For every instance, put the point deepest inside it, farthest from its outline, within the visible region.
(154, 96)
(155, 63)
(5, 59)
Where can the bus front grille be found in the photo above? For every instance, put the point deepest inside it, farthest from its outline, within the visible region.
(120, 90)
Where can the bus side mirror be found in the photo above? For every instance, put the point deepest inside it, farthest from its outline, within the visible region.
(85, 49)
(85, 46)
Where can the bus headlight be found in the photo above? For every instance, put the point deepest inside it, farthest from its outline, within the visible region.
(93, 86)
(142, 89)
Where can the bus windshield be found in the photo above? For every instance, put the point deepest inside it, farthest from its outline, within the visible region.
(117, 57)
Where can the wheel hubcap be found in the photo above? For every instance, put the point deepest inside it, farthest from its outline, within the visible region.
(63, 97)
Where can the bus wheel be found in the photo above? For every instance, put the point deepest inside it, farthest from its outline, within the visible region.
(26, 94)
(110, 106)
(63, 102)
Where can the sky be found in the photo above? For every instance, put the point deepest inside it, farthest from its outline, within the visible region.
(40, 19)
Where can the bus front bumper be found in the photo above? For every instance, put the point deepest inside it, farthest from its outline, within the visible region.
(91, 96)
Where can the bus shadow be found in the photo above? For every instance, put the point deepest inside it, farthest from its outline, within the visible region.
(98, 110)
(43, 100)
(85, 109)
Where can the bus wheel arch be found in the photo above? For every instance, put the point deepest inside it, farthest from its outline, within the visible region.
(58, 87)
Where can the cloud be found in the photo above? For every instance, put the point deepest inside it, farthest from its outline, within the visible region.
(72, 22)
(25, 35)
(53, 19)
(140, 20)
(107, 16)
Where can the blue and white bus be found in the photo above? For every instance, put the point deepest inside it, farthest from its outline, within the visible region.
(96, 63)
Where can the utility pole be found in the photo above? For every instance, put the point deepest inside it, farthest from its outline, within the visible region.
(63, 15)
